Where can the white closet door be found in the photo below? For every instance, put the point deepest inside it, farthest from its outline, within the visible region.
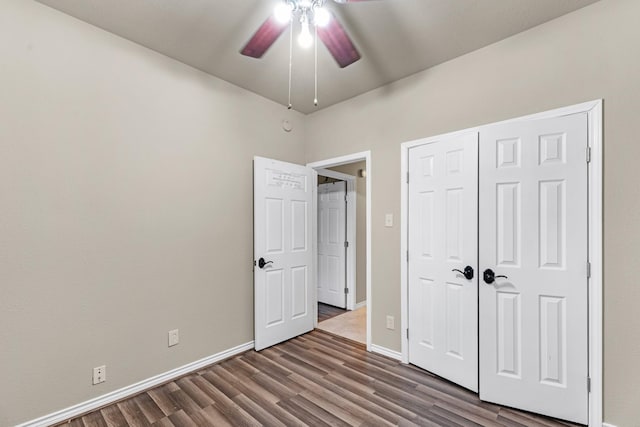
(284, 273)
(332, 219)
(533, 230)
(443, 304)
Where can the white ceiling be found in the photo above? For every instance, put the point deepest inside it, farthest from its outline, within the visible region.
(396, 38)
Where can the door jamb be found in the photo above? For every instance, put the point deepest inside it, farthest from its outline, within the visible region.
(338, 161)
(594, 111)
(351, 232)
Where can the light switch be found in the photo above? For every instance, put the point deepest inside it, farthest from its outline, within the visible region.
(388, 220)
(391, 324)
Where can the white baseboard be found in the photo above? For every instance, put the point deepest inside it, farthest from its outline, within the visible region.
(360, 305)
(386, 352)
(114, 396)
(607, 425)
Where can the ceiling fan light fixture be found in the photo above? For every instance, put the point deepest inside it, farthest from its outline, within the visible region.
(283, 12)
(317, 23)
(321, 17)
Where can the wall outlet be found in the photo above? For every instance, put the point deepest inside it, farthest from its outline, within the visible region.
(391, 322)
(99, 374)
(174, 337)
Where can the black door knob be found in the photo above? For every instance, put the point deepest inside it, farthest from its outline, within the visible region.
(489, 276)
(262, 263)
(467, 273)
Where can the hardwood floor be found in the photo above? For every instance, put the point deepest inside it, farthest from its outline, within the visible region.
(326, 311)
(317, 379)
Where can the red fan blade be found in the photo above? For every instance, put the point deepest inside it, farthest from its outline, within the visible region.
(262, 40)
(338, 42)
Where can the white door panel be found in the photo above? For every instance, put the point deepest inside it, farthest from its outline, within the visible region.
(533, 216)
(283, 201)
(443, 304)
(332, 218)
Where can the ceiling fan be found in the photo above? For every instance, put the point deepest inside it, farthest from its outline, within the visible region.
(308, 13)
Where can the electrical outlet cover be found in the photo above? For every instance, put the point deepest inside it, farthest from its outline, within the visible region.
(174, 337)
(99, 374)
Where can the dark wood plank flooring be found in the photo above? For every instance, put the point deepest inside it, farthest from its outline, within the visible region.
(326, 311)
(317, 379)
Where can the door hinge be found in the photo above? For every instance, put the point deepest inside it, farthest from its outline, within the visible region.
(407, 333)
(588, 154)
(588, 270)
(407, 256)
(346, 244)
(407, 177)
(588, 384)
(346, 290)
(346, 198)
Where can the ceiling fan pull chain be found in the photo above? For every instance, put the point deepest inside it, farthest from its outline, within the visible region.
(290, 60)
(315, 42)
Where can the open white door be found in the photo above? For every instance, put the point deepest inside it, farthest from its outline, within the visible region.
(284, 272)
(533, 239)
(332, 221)
(443, 233)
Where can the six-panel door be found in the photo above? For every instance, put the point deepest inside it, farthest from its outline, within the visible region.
(284, 285)
(533, 229)
(443, 232)
(332, 219)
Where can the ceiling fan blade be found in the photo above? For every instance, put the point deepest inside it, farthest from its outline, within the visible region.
(264, 37)
(340, 46)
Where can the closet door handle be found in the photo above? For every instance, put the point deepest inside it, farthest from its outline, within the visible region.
(467, 273)
(489, 276)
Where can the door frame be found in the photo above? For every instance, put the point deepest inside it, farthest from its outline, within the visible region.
(594, 111)
(339, 161)
(350, 259)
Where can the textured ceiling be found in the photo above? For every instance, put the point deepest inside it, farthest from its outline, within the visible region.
(396, 38)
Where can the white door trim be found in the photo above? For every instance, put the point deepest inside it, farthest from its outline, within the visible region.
(351, 231)
(338, 161)
(594, 114)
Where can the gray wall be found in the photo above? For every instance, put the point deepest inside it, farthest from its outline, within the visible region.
(361, 226)
(589, 54)
(125, 191)
(125, 209)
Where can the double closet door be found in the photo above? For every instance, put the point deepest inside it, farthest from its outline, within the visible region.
(497, 264)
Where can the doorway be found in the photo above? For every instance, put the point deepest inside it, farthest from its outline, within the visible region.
(355, 171)
(285, 247)
(341, 246)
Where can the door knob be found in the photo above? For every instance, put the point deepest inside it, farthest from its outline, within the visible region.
(467, 273)
(262, 263)
(489, 276)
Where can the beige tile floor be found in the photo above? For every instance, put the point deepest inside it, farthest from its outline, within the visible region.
(352, 325)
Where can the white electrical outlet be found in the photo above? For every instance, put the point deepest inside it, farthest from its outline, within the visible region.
(391, 322)
(99, 374)
(174, 337)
